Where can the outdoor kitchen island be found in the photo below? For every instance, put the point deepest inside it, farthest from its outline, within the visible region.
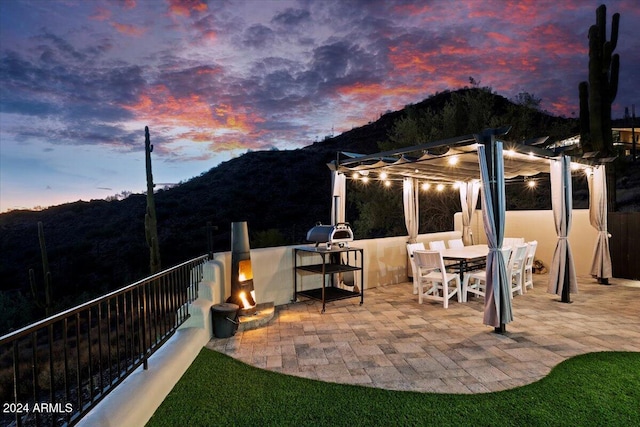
(335, 262)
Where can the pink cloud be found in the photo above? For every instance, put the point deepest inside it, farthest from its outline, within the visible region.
(129, 30)
(186, 7)
(228, 125)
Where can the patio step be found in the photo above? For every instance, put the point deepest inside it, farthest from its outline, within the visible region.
(264, 313)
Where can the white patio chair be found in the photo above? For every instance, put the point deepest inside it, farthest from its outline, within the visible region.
(455, 244)
(528, 265)
(437, 245)
(432, 274)
(516, 267)
(414, 271)
(475, 282)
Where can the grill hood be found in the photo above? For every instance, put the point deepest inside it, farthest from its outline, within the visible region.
(339, 234)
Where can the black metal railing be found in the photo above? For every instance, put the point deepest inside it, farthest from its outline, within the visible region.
(54, 371)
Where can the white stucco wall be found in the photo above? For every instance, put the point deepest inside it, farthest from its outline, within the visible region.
(385, 260)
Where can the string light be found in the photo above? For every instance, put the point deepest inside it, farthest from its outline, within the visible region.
(531, 183)
(383, 175)
(440, 187)
(426, 186)
(387, 183)
(453, 160)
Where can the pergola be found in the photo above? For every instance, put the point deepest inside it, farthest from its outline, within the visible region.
(484, 161)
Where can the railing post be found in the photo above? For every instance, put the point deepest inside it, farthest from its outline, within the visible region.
(16, 376)
(143, 332)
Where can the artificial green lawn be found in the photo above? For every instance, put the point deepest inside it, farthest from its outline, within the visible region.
(595, 389)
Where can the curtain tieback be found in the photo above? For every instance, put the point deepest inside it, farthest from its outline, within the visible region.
(563, 238)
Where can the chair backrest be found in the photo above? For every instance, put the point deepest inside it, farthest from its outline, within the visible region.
(531, 253)
(428, 261)
(517, 258)
(506, 253)
(414, 247)
(455, 244)
(437, 245)
(411, 248)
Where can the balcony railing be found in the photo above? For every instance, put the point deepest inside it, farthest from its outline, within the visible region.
(54, 371)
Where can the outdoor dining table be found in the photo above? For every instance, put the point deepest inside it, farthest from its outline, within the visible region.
(468, 258)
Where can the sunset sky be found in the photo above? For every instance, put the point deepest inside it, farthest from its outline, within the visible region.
(79, 80)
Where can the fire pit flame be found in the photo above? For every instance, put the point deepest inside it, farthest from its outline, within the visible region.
(245, 302)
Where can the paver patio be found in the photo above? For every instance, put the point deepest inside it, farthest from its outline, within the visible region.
(393, 342)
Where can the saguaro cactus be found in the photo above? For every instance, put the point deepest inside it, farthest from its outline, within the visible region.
(46, 303)
(601, 90)
(150, 219)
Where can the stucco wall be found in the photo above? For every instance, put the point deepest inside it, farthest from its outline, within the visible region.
(385, 262)
(386, 259)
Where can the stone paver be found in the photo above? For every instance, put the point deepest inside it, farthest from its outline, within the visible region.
(393, 342)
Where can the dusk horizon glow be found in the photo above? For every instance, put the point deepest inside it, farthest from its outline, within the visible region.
(79, 80)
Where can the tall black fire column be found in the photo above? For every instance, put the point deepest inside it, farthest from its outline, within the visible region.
(242, 291)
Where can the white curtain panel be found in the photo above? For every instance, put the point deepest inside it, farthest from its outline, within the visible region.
(411, 208)
(601, 263)
(562, 205)
(497, 301)
(469, 200)
(339, 195)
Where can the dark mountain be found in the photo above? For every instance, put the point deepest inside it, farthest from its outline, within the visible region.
(100, 245)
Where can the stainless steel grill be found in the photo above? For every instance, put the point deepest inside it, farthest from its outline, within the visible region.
(339, 234)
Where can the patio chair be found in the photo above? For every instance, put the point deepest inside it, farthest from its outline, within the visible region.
(455, 244)
(437, 245)
(410, 248)
(432, 274)
(528, 265)
(475, 282)
(515, 268)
